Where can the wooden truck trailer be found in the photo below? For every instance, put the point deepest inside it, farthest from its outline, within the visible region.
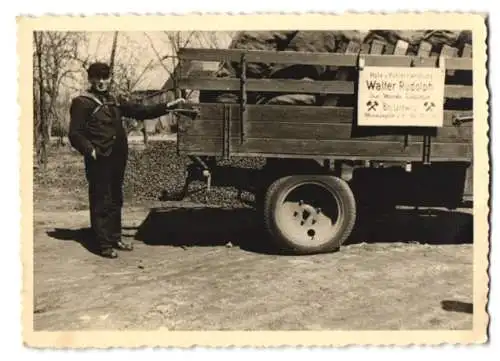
(326, 163)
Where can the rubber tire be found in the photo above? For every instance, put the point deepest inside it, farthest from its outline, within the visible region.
(335, 185)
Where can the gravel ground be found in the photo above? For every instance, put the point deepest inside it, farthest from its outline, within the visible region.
(199, 267)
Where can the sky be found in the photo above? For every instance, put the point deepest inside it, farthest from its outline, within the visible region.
(138, 50)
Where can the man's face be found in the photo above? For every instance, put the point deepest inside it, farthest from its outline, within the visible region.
(100, 83)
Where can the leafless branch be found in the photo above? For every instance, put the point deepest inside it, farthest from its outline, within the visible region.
(158, 56)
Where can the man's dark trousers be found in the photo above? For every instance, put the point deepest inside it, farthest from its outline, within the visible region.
(105, 177)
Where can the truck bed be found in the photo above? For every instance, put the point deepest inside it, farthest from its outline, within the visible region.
(326, 132)
(320, 132)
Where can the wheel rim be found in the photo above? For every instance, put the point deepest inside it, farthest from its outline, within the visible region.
(309, 214)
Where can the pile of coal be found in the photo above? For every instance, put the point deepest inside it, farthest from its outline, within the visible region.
(436, 38)
(158, 172)
(316, 41)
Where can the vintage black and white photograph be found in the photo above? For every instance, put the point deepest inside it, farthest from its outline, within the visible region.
(259, 180)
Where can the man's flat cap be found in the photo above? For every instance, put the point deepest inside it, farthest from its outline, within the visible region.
(98, 70)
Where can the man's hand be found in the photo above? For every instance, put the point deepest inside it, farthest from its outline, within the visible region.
(175, 102)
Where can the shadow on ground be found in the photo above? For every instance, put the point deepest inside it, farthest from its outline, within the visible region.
(429, 226)
(203, 227)
(457, 306)
(83, 236)
(198, 227)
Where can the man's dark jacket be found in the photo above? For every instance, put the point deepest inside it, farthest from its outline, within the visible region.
(100, 130)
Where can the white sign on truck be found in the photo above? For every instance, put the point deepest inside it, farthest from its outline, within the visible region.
(393, 96)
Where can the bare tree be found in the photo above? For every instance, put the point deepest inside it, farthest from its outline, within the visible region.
(56, 61)
(167, 55)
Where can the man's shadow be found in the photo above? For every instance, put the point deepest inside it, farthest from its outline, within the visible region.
(83, 236)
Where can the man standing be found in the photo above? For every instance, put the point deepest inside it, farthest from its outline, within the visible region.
(97, 132)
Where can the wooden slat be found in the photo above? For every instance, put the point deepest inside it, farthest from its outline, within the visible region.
(449, 51)
(467, 51)
(329, 131)
(459, 64)
(292, 57)
(298, 113)
(424, 62)
(458, 91)
(199, 144)
(401, 47)
(377, 47)
(353, 47)
(391, 61)
(351, 147)
(259, 56)
(424, 49)
(389, 49)
(327, 148)
(453, 134)
(297, 86)
(270, 85)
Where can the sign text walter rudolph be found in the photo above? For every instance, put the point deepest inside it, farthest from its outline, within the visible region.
(401, 96)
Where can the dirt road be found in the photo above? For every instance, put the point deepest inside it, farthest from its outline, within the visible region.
(184, 276)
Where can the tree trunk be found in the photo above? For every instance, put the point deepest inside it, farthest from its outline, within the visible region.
(42, 136)
(113, 55)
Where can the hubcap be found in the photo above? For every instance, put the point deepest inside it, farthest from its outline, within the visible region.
(308, 214)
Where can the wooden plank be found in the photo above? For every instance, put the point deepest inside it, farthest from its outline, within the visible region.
(270, 85)
(453, 134)
(353, 47)
(467, 51)
(298, 113)
(449, 52)
(292, 57)
(389, 49)
(458, 91)
(329, 131)
(401, 47)
(326, 148)
(459, 64)
(424, 49)
(377, 47)
(424, 62)
(297, 86)
(260, 56)
(350, 147)
(199, 145)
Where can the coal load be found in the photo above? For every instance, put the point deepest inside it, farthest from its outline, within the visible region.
(318, 41)
(248, 40)
(301, 41)
(465, 38)
(436, 38)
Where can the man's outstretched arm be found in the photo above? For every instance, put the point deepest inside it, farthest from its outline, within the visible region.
(141, 112)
